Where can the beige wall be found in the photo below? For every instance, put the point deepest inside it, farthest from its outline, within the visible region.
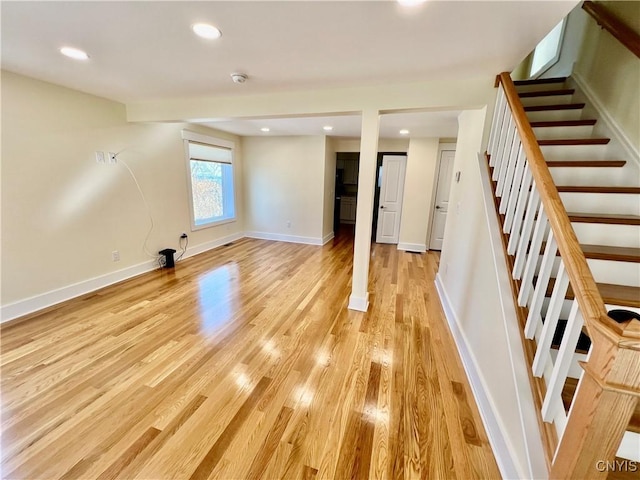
(468, 276)
(284, 182)
(612, 72)
(63, 213)
(329, 186)
(384, 144)
(422, 161)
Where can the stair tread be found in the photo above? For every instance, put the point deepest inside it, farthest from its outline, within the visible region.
(557, 106)
(606, 252)
(564, 123)
(574, 141)
(622, 295)
(547, 93)
(540, 81)
(598, 189)
(610, 218)
(569, 391)
(586, 163)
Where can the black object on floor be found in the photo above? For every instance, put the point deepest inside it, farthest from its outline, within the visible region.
(168, 257)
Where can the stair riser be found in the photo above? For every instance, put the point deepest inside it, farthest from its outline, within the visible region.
(594, 176)
(622, 204)
(550, 100)
(611, 235)
(605, 271)
(554, 133)
(539, 88)
(574, 152)
(554, 115)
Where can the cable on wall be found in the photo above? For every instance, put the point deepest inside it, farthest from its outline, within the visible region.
(146, 204)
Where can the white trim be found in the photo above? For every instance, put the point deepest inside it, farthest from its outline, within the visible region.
(492, 424)
(614, 127)
(199, 137)
(361, 304)
(519, 366)
(47, 299)
(285, 238)
(53, 297)
(412, 247)
(327, 238)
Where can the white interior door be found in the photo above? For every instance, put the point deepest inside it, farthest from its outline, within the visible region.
(441, 206)
(391, 181)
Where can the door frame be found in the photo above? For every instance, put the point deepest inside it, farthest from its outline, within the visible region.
(376, 193)
(434, 190)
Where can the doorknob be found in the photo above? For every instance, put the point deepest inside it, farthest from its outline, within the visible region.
(381, 206)
(437, 207)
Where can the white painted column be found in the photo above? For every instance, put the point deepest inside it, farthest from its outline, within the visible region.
(359, 299)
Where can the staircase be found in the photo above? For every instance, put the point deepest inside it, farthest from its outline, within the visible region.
(569, 207)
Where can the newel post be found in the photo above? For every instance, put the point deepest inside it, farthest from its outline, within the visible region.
(604, 402)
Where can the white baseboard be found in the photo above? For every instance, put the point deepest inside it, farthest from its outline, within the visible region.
(499, 443)
(47, 299)
(285, 238)
(412, 247)
(361, 304)
(327, 238)
(53, 297)
(614, 129)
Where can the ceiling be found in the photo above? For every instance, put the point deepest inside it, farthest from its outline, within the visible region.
(145, 50)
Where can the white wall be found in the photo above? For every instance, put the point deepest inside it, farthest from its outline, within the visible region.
(63, 213)
(384, 144)
(468, 278)
(422, 162)
(284, 182)
(329, 187)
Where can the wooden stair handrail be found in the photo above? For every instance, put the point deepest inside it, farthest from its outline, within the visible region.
(581, 278)
(612, 24)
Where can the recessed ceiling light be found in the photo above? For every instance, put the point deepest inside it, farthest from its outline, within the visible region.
(404, 131)
(207, 31)
(265, 129)
(410, 3)
(74, 53)
(327, 128)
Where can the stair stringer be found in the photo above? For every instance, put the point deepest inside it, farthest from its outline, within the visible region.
(621, 145)
(519, 365)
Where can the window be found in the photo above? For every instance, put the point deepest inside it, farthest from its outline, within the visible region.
(210, 175)
(547, 52)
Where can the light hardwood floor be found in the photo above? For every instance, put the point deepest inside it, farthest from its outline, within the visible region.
(244, 363)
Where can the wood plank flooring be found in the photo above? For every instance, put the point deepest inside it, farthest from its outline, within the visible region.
(244, 363)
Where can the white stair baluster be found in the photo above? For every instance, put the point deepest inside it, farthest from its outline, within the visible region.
(502, 145)
(501, 166)
(498, 113)
(563, 362)
(551, 321)
(514, 195)
(506, 176)
(534, 318)
(532, 258)
(512, 180)
(525, 237)
(518, 217)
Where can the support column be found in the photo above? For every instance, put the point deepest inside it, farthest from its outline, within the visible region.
(359, 299)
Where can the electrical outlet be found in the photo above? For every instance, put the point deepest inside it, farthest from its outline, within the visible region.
(100, 157)
(113, 158)
(115, 256)
(288, 223)
(184, 235)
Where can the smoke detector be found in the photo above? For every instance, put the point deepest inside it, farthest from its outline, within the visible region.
(239, 77)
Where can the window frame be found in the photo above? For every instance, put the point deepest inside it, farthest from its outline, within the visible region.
(193, 137)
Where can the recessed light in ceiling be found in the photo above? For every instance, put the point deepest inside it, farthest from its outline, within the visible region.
(265, 129)
(327, 128)
(207, 31)
(404, 131)
(74, 53)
